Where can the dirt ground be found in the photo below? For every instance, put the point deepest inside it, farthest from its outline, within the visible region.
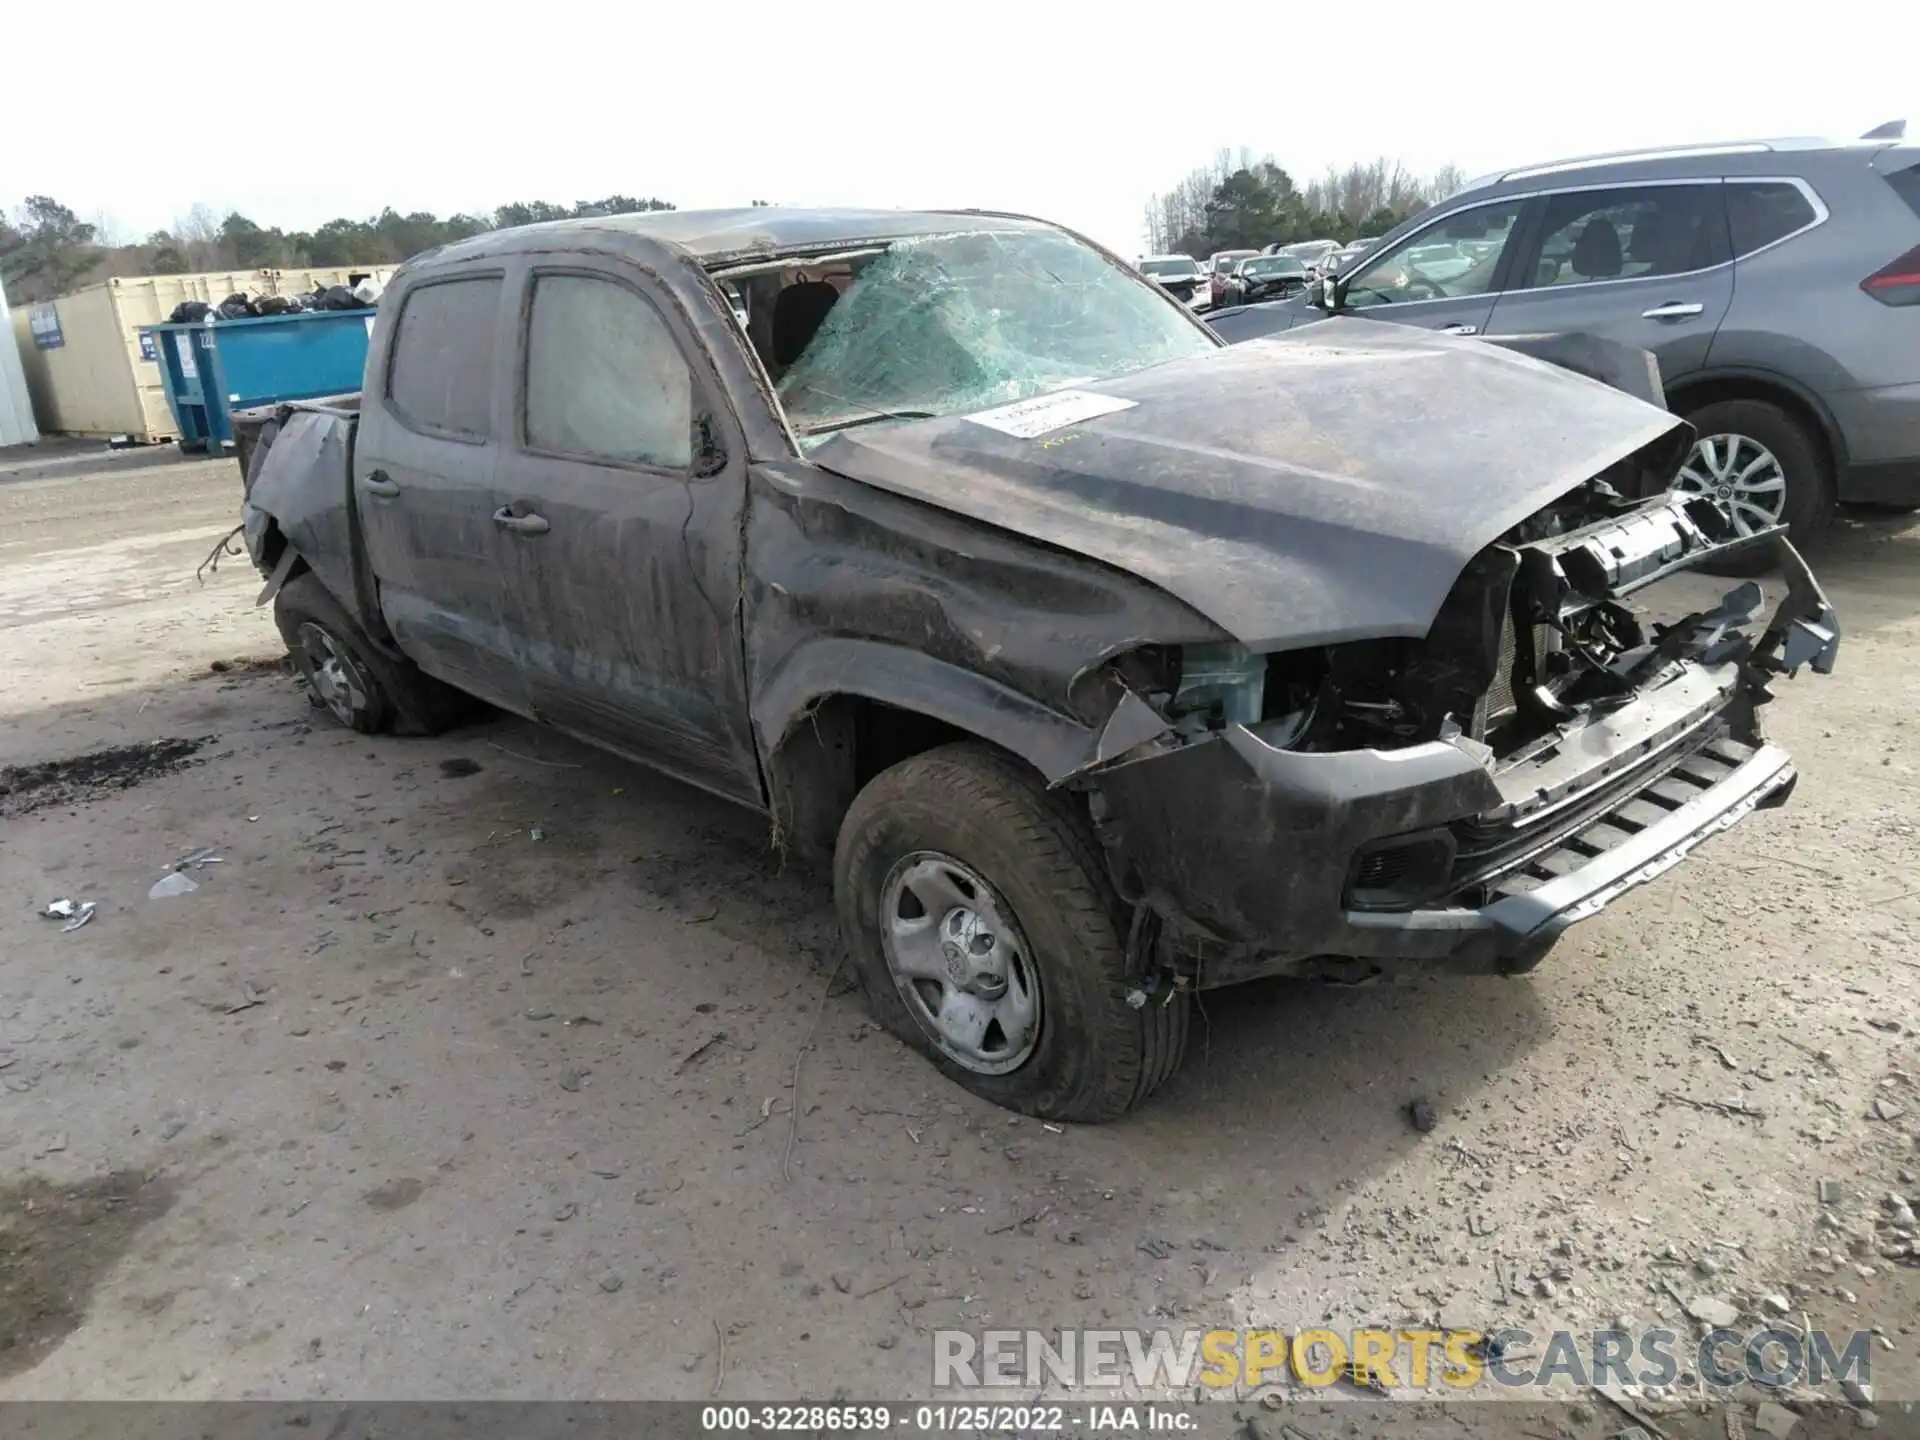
(483, 1085)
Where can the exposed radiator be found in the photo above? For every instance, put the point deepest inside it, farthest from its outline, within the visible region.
(1498, 702)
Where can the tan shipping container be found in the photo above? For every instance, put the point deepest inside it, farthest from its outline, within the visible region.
(96, 381)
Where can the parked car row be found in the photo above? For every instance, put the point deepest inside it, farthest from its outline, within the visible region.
(1181, 276)
(1776, 283)
(1265, 277)
(1245, 277)
(1314, 254)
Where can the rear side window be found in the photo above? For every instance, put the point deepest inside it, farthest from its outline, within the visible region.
(441, 366)
(605, 376)
(1760, 212)
(1906, 184)
(1629, 233)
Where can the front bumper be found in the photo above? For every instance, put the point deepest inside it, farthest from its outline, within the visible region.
(1513, 931)
(1252, 855)
(1248, 852)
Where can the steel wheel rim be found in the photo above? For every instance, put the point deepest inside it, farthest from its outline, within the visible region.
(334, 677)
(961, 965)
(1741, 476)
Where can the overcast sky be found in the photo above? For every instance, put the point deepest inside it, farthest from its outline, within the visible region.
(1070, 110)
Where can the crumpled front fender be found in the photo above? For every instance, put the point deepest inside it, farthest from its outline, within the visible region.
(1240, 840)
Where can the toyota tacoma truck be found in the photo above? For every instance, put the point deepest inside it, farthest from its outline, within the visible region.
(1108, 664)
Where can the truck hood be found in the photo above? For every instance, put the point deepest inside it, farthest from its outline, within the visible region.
(1298, 491)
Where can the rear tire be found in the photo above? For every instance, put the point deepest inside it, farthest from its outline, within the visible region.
(354, 680)
(1806, 502)
(1046, 896)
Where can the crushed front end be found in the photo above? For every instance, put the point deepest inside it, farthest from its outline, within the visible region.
(1460, 799)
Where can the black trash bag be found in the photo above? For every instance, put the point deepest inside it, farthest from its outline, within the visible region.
(337, 297)
(189, 312)
(237, 307)
(272, 305)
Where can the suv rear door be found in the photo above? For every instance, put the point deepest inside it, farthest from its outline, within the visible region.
(1645, 264)
(423, 467)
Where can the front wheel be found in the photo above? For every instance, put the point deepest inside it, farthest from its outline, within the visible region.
(985, 934)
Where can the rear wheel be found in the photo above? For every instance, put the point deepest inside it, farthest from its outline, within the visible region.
(350, 677)
(985, 933)
(1762, 467)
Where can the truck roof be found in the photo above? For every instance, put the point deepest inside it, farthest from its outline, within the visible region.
(712, 236)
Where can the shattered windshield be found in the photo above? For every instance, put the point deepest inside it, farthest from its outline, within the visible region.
(945, 324)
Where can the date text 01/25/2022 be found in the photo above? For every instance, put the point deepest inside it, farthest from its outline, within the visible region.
(950, 1419)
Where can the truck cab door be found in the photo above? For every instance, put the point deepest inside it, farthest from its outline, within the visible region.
(1647, 265)
(1444, 276)
(622, 484)
(425, 453)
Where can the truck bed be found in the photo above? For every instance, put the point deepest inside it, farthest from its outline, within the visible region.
(254, 430)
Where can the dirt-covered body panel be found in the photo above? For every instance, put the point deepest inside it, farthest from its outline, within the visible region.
(1325, 636)
(1299, 491)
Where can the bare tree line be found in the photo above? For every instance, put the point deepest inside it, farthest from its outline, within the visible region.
(1241, 193)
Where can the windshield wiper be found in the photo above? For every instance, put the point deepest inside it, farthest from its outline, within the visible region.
(872, 413)
(833, 425)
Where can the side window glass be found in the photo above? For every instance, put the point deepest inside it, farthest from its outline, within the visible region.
(1455, 258)
(1760, 212)
(1625, 234)
(440, 369)
(605, 376)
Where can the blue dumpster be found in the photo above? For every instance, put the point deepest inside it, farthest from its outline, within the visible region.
(209, 371)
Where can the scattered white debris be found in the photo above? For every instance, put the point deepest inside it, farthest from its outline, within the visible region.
(1717, 1313)
(75, 912)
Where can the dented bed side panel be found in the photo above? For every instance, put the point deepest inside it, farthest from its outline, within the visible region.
(304, 494)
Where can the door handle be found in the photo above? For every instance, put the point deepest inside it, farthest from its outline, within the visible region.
(378, 482)
(1673, 310)
(520, 524)
(1459, 329)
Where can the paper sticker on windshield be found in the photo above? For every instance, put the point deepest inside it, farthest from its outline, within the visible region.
(1027, 419)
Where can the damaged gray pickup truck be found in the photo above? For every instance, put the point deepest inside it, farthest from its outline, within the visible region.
(1108, 663)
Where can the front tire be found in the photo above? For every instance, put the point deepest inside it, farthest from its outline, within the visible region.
(986, 936)
(1761, 466)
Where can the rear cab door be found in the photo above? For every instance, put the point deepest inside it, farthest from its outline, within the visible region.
(423, 477)
(1442, 276)
(1647, 264)
(622, 478)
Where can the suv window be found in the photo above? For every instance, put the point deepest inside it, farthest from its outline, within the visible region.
(1453, 258)
(441, 367)
(1760, 212)
(605, 376)
(1627, 233)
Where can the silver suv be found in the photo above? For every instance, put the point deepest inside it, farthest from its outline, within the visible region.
(1777, 282)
